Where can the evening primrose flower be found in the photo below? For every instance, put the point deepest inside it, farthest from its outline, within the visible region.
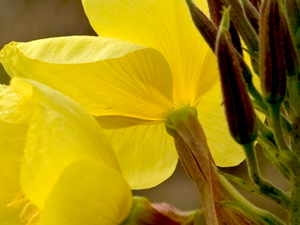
(148, 61)
(56, 165)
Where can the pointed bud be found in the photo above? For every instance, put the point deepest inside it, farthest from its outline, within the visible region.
(208, 29)
(205, 26)
(243, 26)
(209, 32)
(215, 9)
(238, 108)
(272, 68)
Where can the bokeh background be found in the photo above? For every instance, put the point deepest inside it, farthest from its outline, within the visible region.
(25, 20)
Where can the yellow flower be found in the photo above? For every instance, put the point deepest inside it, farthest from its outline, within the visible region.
(148, 61)
(56, 165)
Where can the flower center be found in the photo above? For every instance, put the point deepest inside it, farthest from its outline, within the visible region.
(30, 213)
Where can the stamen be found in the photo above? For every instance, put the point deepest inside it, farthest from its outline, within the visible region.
(30, 213)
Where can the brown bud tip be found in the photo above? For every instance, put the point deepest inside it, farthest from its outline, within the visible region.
(205, 26)
(215, 9)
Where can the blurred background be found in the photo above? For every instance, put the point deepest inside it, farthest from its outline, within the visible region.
(25, 20)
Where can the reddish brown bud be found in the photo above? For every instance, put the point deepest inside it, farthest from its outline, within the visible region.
(205, 26)
(215, 10)
(272, 68)
(243, 26)
(238, 108)
(208, 29)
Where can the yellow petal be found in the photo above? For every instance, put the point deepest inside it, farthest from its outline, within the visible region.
(225, 151)
(9, 186)
(146, 154)
(14, 107)
(106, 76)
(12, 139)
(59, 132)
(15, 111)
(87, 193)
(166, 26)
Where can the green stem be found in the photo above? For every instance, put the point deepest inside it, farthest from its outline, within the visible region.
(266, 132)
(266, 188)
(295, 136)
(256, 95)
(273, 154)
(293, 85)
(287, 157)
(241, 204)
(266, 142)
(294, 210)
(275, 119)
(286, 125)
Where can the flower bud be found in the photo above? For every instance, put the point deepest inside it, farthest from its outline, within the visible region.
(205, 26)
(272, 68)
(209, 32)
(215, 9)
(243, 26)
(208, 29)
(238, 108)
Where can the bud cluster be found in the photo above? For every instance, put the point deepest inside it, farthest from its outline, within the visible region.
(269, 33)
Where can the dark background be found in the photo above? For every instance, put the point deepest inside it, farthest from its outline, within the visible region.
(25, 20)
